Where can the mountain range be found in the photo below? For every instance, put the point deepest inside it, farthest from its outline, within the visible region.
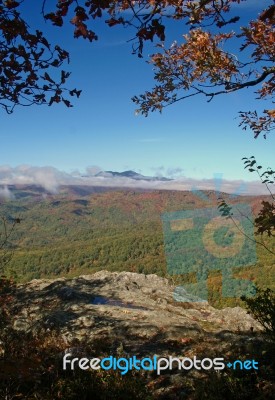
(132, 175)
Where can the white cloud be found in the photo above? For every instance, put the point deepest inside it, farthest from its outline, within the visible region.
(93, 170)
(51, 178)
(174, 172)
(47, 177)
(5, 194)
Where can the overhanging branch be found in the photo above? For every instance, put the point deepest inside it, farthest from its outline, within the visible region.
(228, 89)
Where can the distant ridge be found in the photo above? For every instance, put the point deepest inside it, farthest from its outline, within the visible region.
(132, 175)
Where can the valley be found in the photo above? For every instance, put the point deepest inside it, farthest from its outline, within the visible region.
(82, 230)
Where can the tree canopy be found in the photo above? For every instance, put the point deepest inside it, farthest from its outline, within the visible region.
(201, 64)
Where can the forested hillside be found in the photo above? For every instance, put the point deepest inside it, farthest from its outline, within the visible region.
(79, 232)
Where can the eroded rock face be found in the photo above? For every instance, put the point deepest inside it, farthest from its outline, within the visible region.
(126, 306)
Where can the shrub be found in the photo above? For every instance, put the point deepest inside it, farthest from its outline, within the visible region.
(262, 307)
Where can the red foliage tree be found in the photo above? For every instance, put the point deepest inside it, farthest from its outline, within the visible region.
(200, 65)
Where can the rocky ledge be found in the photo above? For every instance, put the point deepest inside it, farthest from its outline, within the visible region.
(128, 307)
(134, 314)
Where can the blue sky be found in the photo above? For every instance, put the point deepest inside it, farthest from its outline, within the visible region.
(193, 138)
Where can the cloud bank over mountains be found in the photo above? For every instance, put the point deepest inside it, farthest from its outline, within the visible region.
(51, 179)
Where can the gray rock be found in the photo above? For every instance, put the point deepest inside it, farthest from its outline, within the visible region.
(132, 306)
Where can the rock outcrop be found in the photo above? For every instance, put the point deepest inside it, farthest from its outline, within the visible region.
(134, 314)
(128, 307)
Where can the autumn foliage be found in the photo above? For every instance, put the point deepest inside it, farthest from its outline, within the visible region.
(200, 64)
(26, 56)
